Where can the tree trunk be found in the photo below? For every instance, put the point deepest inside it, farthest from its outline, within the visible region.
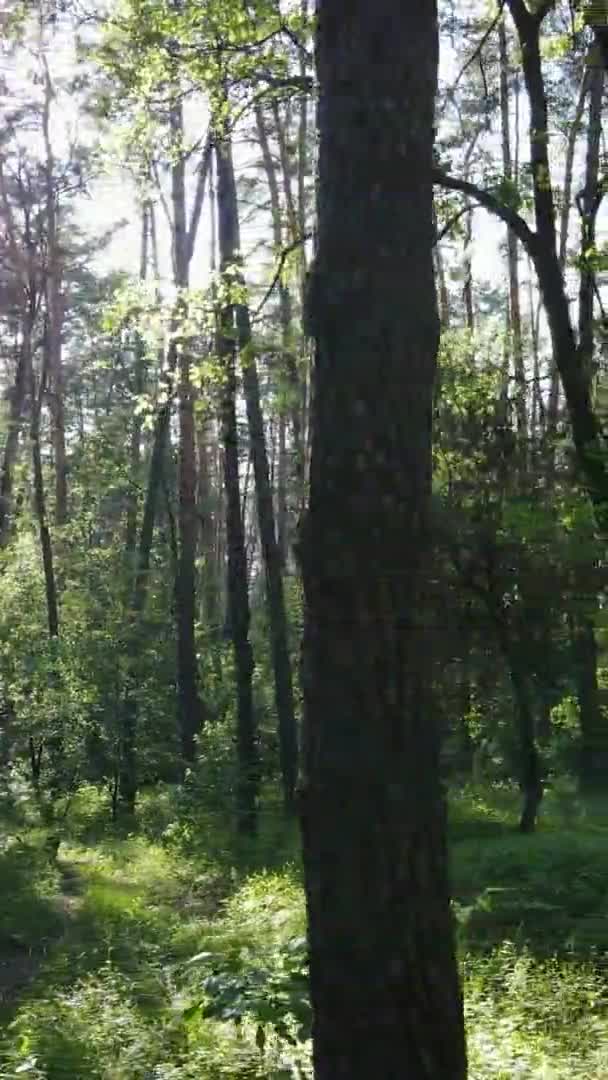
(229, 246)
(138, 387)
(282, 513)
(552, 410)
(467, 288)
(593, 759)
(513, 257)
(586, 428)
(46, 546)
(238, 594)
(444, 298)
(285, 315)
(54, 316)
(589, 203)
(190, 705)
(530, 774)
(16, 409)
(384, 986)
(207, 502)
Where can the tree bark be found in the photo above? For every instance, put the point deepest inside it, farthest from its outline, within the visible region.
(18, 396)
(46, 545)
(589, 203)
(208, 507)
(553, 405)
(190, 704)
(238, 593)
(593, 758)
(275, 602)
(383, 977)
(587, 432)
(138, 386)
(513, 256)
(128, 730)
(285, 314)
(530, 773)
(54, 315)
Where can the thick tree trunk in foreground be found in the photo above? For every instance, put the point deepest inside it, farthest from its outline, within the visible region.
(383, 976)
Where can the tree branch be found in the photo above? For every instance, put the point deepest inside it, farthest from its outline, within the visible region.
(279, 270)
(484, 198)
(449, 225)
(477, 50)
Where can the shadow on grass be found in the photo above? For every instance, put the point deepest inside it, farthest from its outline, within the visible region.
(548, 891)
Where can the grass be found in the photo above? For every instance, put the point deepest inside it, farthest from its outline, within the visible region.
(145, 957)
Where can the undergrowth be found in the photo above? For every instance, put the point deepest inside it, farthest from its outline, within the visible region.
(159, 956)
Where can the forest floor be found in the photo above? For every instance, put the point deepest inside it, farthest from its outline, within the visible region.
(166, 956)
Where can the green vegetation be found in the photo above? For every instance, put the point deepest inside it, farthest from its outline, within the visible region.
(138, 956)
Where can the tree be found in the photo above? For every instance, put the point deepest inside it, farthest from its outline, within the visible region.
(383, 975)
(541, 245)
(229, 246)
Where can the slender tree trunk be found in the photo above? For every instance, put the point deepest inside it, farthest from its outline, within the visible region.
(467, 288)
(282, 514)
(55, 313)
(138, 386)
(383, 977)
(593, 760)
(290, 204)
(285, 315)
(46, 546)
(444, 298)
(238, 594)
(16, 410)
(229, 246)
(530, 775)
(553, 406)
(513, 257)
(190, 705)
(586, 428)
(589, 203)
(207, 502)
(127, 754)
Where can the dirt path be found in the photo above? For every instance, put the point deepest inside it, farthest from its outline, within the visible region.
(19, 962)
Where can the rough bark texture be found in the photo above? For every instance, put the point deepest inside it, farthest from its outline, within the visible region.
(383, 977)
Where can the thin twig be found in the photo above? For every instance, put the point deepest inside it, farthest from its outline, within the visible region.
(277, 275)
